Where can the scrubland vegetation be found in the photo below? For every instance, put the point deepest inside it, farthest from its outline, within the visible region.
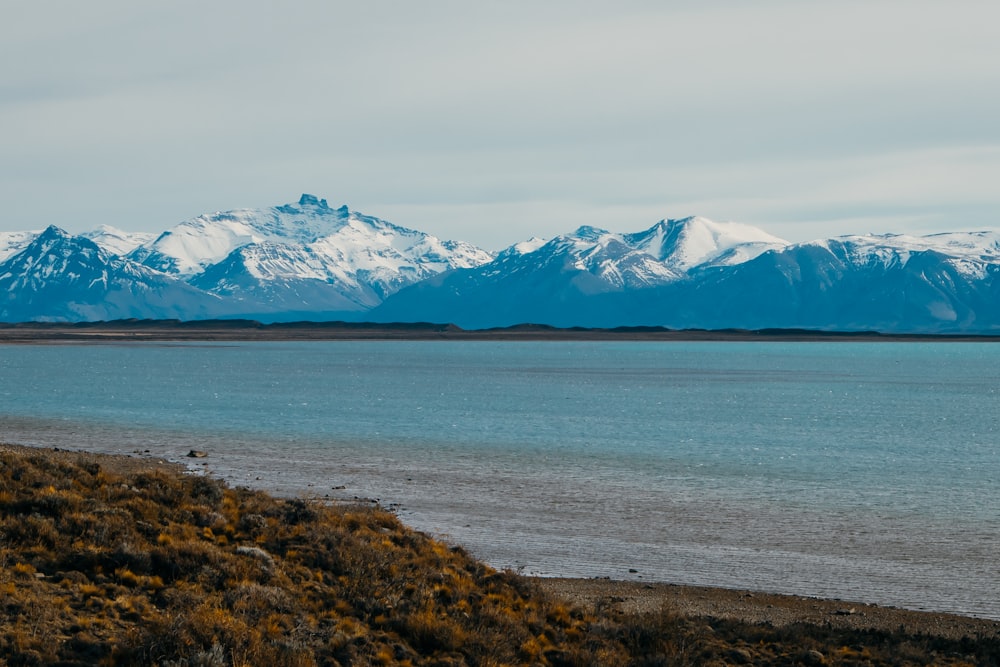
(100, 565)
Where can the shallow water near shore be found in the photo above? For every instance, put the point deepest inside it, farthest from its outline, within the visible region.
(855, 470)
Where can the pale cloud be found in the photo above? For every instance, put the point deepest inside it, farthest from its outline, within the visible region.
(492, 121)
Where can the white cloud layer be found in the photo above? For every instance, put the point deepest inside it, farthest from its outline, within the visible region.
(490, 122)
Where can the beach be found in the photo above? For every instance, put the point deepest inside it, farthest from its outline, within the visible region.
(757, 608)
(645, 598)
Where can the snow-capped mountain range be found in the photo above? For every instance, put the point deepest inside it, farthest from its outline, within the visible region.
(304, 258)
(307, 260)
(301, 257)
(694, 273)
(60, 277)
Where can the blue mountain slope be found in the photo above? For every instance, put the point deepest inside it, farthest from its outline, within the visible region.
(59, 277)
(310, 261)
(879, 283)
(837, 286)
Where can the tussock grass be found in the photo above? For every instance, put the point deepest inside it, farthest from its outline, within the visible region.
(166, 568)
(163, 568)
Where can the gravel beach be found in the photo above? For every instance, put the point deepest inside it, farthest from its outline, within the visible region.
(689, 601)
(764, 608)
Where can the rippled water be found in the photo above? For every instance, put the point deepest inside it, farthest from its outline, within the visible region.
(853, 470)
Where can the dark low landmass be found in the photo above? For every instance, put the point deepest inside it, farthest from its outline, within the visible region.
(251, 330)
(120, 560)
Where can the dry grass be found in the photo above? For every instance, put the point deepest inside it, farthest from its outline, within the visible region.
(165, 568)
(159, 567)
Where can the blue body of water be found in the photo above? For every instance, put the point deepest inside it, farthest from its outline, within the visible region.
(853, 470)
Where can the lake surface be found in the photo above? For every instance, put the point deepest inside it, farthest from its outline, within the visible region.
(865, 471)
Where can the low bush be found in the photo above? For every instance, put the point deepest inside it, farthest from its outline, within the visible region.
(163, 568)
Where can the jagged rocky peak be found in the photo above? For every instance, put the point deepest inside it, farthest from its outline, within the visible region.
(52, 233)
(56, 247)
(313, 200)
(589, 233)
(307, 201)
(311, 205)
(56, 241)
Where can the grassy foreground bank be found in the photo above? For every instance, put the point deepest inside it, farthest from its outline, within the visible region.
(112, 560)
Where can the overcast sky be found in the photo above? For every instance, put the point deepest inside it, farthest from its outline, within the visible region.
(494, 121)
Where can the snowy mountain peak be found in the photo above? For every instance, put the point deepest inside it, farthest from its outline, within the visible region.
(980, 245)
(688, 242)
(588, 233)
(663, 253)
(53, 253)
(117, 241)
(61, 277)
(306, 259)
(969, 252)
(193, 245)
(302, 256)
(105, 229)
(52, 234)
(12, 243)
(529, 246)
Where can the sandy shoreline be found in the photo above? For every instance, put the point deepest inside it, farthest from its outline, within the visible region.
(751, 607)
(765, 608)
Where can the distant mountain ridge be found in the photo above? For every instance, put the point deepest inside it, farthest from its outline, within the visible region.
(894, 283)
(308, 260)
(58, 277)
(304, 258)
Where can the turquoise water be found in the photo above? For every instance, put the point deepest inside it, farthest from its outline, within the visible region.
(853, 470)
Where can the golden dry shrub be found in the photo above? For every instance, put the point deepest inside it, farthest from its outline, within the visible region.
(108, 564)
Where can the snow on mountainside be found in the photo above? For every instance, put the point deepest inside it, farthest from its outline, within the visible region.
(60, 277)
(307, 260)
(302, 256)
(609, 261)
(664, 252)
(525, 247)
(117, 241)
(932, 284)
(601, 260)
(195, 244)
(548, 281)
(12, 243)
(694, 273)
(689, 242)
(968, 252)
